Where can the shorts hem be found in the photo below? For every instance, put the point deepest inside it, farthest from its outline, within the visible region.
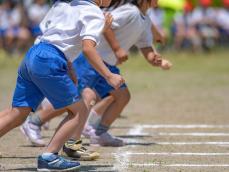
(63, 105)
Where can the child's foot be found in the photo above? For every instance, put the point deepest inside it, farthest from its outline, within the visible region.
(106, 139)
(88, 131)
(33, 133)
(77, 151)
(53, 162)
(46, 126)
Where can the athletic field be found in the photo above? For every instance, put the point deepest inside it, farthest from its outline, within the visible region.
(177, 120)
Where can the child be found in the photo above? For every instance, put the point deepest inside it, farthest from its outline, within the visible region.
(133, 28)
(126, 18)
(67, 29)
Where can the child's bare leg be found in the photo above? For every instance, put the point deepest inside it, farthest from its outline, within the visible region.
(102, 137)
(102, 105)
(97, 112)
(122, 97)
(47, 112)
(13, 118)
(5, 112)
(89, 98)
(67, 127)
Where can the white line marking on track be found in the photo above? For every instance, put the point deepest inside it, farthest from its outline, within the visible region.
(137, 130)
(188, 126)
(192, 143)
(178, 165)
(123, 157)
(206, 134)
(122, 160)
(176, 153)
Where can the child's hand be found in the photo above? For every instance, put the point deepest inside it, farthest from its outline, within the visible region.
(108, 21)
(156, 60)
(165, 64)
(115, 80)
(121, 56)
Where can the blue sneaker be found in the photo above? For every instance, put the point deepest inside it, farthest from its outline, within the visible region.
(54, 162)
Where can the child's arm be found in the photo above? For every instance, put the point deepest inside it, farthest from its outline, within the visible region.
(94, 59)
(158, 36)
(155, 59)
(108, 33)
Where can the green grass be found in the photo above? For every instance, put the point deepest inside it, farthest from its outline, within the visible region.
(197, 83)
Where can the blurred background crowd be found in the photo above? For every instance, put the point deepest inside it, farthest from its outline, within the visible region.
(193, 25)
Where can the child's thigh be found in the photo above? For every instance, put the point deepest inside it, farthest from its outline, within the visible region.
(26, 94)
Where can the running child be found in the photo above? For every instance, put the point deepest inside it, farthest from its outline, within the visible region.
(126, 18)
(68, 28)
(131, 27)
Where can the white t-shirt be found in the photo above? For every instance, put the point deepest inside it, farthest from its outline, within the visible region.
(203, 14)
(156, 16)
(222, 18)
(10, 18)
(130, 28)
(37, 12)
(67, 24)
(183, 19)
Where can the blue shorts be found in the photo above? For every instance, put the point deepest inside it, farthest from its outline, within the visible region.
(88, 77)
(43, 73)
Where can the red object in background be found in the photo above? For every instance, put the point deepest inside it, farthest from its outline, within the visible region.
(226, 3)
(205, 3)
(188, 6)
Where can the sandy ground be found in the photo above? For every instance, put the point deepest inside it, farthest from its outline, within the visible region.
(147, 150)
(175, 122)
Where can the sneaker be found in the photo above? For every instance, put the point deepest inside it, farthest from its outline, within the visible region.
(46, 126)
(77, 151)
(106, 139)
(55, 162)
(88, 131)
(33, 133)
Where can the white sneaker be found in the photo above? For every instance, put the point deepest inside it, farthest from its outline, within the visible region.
(33, 133)
(88, 131)
(106, 139)
(46, 126)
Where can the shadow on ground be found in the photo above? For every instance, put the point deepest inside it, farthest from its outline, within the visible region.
(84, 168)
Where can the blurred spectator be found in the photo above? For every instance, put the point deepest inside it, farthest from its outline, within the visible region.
(196, 27)
(27, 3)
(204, 24)
(183, 33)
(223, 22)
(14, 32)
(36, 13)
(157, 17)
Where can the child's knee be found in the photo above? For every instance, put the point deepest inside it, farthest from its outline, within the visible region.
(77, 108)
(126, 96)
(89, 97)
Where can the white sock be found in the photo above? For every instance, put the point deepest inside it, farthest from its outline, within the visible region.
(94, 119)
(46, 154)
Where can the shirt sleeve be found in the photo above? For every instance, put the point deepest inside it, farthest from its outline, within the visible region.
(123, 15)
(146, 38)
(93, 24)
